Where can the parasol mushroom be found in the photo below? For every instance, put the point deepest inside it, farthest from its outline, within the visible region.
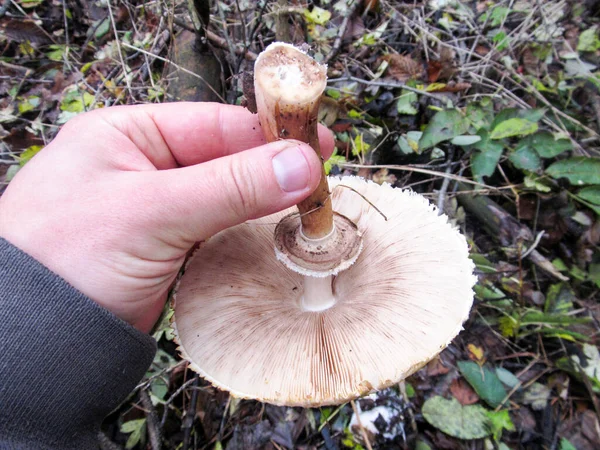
(367, 300)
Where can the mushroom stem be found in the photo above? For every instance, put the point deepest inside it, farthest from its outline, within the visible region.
(288, 87)
(318, 294)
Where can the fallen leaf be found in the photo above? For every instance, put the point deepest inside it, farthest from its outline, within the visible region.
(578, 170)
(484, 381)
(476, 353)
(403, 68)
(461, 390)
(463, 422)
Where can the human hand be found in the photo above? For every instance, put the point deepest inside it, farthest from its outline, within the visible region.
(116, 201)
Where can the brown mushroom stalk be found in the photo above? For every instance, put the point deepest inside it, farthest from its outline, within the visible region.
(288, 86)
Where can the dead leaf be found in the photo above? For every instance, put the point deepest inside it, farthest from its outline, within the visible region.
(403, 68)
(328, 111)
(384, 176)
(451, 86)
(530, 61)
(476, 353)
(464, 393)
(25, 31)
(436, 367)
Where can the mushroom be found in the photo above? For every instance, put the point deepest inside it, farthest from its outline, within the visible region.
(369, 309)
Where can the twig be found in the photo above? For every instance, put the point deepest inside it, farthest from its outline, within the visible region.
(152, 421)
(178, 67)
(123, 66)
(173, 397)
(218, 41)
(418, 170)
(445, 183)
(190, 415)
(329, 444)
(411, 414)
(230, 45)
(341, 31)
(388, 84)
(360, 426)
(365, 199)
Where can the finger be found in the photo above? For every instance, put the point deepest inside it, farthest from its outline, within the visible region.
(198, 201)
(186, 133)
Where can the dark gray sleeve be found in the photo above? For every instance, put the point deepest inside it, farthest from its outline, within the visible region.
(65, 362)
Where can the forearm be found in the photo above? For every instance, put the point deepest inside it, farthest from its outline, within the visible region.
(65, 362)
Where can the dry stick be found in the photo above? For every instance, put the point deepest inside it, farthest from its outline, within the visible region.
(360, 425)
(341, 31)
(123, 66)
(288, 86)
(172, 397)
(218, 41)
(152, 421)
(418, 170)
(364, 198)
(445, 184)
(190, 415)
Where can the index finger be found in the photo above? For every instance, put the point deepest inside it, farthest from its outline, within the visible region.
(195, 132)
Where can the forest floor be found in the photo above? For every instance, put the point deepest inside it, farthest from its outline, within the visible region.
(491, 109)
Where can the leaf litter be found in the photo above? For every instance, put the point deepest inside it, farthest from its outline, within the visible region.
(504, 95)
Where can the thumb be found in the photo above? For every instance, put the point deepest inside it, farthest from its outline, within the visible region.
(199, 201)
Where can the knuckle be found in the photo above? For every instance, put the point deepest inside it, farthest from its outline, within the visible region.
(243, 197)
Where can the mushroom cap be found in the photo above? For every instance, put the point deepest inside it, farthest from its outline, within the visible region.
(239, 322)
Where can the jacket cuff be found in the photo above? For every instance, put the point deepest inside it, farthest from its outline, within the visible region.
(66, 362)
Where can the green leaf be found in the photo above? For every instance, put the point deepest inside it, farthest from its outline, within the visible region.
(559, 299)
(482, 263)
(76, 101)
(566, 445)
(29, 104)
(500, 421)
(405, 104)
(465, 140)
(590, 194)
(422, 445)
(532, 181)
(544, 143)
(334, 160)
(501, 40)
(463, 422)
(525, 158)
(513, 127)
(57, 52)
(578, 170)
(486, 156)
(135, 437)
(480, 114)
(445, 125)
(318, 16)
(532, 115)
(588, 40)
(594, 274)
(484, 381)
(29, 153)
(132, 425)
(507, 378)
